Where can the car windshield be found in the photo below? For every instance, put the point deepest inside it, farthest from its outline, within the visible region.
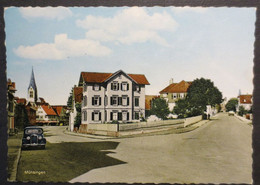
(33, 131)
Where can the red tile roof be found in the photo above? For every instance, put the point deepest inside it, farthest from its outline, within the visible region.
(21, 100)
(245, 99)
(92, 77)
(78, 94)
(180, 87)
(148, 100)
(58, 108)
(48, 110)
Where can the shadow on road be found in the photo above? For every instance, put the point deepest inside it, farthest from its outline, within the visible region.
(61, 162)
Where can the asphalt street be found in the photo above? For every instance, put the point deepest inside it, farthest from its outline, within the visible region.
(218, 152)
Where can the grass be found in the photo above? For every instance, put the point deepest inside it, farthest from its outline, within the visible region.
(62, 162)
(14, 144)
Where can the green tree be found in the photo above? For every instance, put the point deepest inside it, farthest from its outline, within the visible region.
(242, 111)
(69, 101)
(159, 107)
(181, 108)
(21, 117)
(201, 93)
(77, 121)
(232, 104)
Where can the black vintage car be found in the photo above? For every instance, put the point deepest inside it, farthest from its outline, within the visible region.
(33, 137)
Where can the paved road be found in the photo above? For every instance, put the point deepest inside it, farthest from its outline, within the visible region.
(218, 152)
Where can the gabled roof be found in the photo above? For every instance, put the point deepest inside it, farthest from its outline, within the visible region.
(94, 77)
(58, 108)
(245, 99)
(180, 87)
(21, 101)
(78, 94)
(48, 110)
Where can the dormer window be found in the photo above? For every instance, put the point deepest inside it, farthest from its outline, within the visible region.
(96, 87)
(114, 86)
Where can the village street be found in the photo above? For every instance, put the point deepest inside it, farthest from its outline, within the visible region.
(217, 152)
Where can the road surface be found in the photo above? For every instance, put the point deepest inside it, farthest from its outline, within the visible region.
(217, 152)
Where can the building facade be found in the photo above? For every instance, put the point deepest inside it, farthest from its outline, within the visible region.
(10, 105)
(246, 101)
(112, 97)
(175, 91)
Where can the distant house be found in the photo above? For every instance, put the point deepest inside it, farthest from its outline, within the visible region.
(174, 92)
(10, 105)
(245, 101)
(77, 94)
(62, 113)
(30, 109)
(46, 115)
(109, 97)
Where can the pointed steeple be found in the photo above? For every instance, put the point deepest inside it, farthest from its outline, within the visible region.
(32, 89)
(239, 92)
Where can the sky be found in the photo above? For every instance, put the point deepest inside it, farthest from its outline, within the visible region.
(182, 43)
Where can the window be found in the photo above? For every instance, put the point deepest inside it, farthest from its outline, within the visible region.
(31, 94)
(113, 115)
(119, 116)
(105, 100)
(84, 115)
(136, 115)
(114, 86)
(124, 117)
(96, 116)
(124, 86)
(113, 100)
(96, 100)
(125, 100)
(85, 101)
(137, 88)
(137, 101)
(96, 87)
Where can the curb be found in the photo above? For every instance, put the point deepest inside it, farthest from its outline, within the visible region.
(249, 122)
(13, 175)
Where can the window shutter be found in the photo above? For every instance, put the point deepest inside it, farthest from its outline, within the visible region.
(92, 100)
(117, 86)
(93, 87)
(93, 116)
(99, 100)
(121, 86)
(99, 116)
(99, 87)
(111, 86)
(111, 116)
(119, 100)
(127, 100)
(127, 116)
(111, 100)
(127, 86)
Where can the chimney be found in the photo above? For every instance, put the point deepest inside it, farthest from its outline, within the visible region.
(171, 81)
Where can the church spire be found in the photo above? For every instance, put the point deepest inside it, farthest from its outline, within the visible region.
(32, 89)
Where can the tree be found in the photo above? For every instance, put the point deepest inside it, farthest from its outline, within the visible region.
(21, 117)
(201, 93)
(181, 108)
(69, 101)
(77, 121)
(159, 107)
(242, 111)
(232, 104)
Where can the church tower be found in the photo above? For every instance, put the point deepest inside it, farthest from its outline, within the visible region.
(32, 90)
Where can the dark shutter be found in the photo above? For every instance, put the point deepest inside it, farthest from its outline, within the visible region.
(117, 86)
(111, 116)
(127, 116)
(119, 116)
(92, 100)
(99, 87)
(127, 86)
(99, 100)
(127, 100)
(93, 116)
(121, 86)
(119, 100)
(111, 86)
(111, 100)
(99, 116)
(93, 87)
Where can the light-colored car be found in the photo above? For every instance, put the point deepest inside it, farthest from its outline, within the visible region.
(231, 113)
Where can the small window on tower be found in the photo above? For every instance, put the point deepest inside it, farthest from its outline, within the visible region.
(31, 94)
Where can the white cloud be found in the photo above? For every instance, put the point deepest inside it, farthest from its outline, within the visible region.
(62, 48)
(49, 13)
(186, 9)
(132, 25)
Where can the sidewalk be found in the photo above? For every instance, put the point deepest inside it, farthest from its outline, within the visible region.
(144, 131)
(14, 151)
(249, 122)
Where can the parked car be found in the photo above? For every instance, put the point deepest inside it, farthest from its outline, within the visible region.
(231, 113)
(33, 137)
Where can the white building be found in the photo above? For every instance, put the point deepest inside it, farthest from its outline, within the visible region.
(245, 101)
(109, 97)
